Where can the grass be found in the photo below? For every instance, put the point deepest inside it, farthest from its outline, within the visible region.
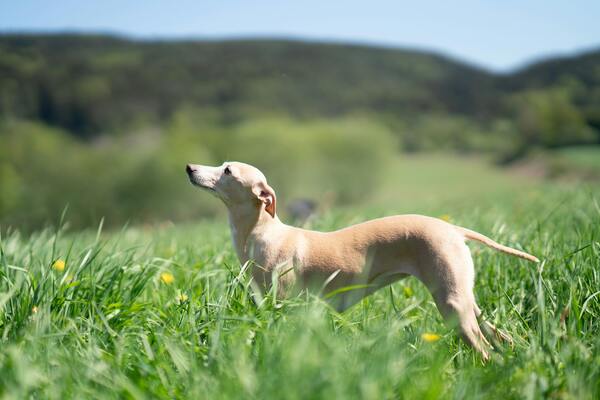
(430, 182)
(109, 325)
(582, 156)
(575, 163)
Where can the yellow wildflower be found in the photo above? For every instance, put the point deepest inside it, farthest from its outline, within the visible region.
(59, 265)
(167, 278)
(445, 217)
(34, 309)
(430, 337)
(182, 298)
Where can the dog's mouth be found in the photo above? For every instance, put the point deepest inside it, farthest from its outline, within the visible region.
(195, 182)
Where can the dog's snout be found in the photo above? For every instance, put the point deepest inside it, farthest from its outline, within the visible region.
(189, 169)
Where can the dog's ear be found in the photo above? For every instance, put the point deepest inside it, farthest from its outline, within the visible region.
(266, 195)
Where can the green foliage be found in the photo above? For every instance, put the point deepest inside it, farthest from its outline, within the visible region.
(49, 170)
(349, 156)
(434, 132)
(108, 326)
(10, 187)
(141, 178)
(549, 118)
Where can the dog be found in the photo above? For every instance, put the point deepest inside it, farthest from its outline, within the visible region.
(357, 260)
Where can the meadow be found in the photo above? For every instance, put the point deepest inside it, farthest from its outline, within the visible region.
(166, 311)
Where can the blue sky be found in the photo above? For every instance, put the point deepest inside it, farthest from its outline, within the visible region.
(499, 35)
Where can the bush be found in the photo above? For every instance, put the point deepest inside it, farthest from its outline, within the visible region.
(346, 157)
(140, 177)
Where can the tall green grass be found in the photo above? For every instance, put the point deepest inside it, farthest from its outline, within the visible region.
(113, 325)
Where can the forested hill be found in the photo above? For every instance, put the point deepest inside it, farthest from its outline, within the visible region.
(90, 85)
(577, 77)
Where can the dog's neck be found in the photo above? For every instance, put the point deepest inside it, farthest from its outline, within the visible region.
(245, 222)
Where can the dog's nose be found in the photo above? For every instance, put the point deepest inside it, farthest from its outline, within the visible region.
(189, 169)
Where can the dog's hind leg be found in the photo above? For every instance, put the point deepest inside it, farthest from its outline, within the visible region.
(458, 312)
(494, 334)
(451, 283)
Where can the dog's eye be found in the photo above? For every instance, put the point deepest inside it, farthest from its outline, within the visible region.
(227, 171)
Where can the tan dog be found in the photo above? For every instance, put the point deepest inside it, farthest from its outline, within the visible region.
(365, 256)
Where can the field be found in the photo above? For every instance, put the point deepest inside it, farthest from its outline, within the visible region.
(166, 311)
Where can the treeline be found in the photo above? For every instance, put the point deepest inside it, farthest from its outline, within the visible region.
(95, 85)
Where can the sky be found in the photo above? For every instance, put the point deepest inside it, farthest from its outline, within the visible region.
(499, 35)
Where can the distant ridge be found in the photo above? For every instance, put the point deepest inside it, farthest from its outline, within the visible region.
(91, 84)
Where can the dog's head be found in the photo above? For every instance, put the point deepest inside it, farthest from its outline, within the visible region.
(236, 184)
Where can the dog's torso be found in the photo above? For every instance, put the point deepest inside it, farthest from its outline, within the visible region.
(365, 256)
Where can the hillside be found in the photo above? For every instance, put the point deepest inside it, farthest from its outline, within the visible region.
(579, 74)
(91, 84)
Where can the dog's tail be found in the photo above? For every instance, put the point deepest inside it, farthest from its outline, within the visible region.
(472, 235)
